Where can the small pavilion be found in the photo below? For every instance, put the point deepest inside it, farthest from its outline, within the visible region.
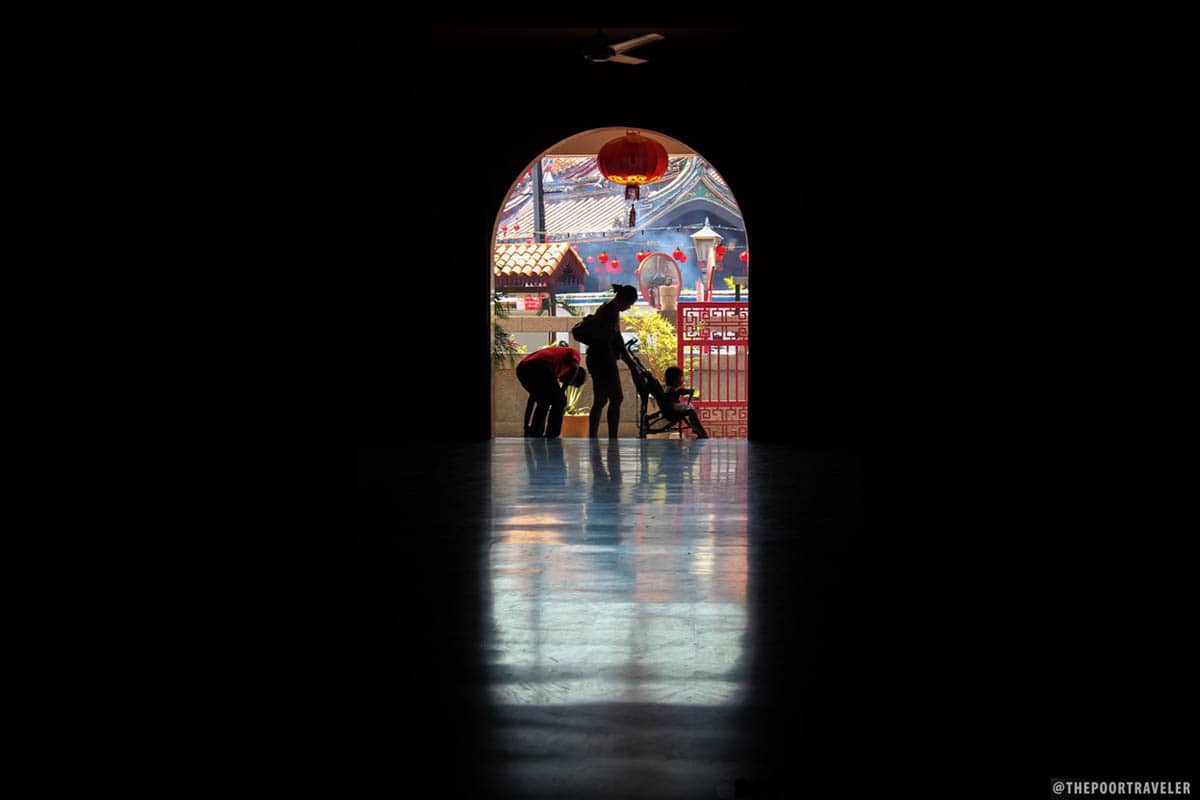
(538, 268)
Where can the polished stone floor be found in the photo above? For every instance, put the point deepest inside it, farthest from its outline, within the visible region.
(592, 618)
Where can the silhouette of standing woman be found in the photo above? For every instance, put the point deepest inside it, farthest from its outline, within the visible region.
(602, 362)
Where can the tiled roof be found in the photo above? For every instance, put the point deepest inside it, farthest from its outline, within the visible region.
(535, 259)
(581, 203)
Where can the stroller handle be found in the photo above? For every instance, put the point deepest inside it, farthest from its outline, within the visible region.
(637, 369)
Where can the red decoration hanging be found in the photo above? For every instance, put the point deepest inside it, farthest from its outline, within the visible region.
(504, 229)
(614, 266)
(641, 255)
(745, 256)
(632, 160)
(603, 257)
(721, 251)
(589, 259)
(679, 256)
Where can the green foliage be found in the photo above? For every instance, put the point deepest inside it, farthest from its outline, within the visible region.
(656, 338)
(504, 348)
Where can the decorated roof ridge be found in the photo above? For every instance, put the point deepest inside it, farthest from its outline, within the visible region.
(701, 187)
(584, 177)
(684, 181)
(698, 188)
(515, 201)
(590, 169)
(703, 171)
(595, 215)
(717, 181)
(717, 177)
(587, 165)
(584, 168)
(598, 220)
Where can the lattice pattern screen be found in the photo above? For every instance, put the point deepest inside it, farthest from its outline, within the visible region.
(714, 340)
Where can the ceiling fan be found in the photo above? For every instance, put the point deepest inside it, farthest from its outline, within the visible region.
(615, 53)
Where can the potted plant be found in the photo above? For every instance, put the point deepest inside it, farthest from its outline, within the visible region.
(575, 418)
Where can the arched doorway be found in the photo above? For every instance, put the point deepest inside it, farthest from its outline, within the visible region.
(562, 239)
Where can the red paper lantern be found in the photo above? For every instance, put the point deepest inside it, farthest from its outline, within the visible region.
(632, 160)
(504, 229)
(641, 255)
(614, 266)
(745, 256)
(679, 256)
(721, 251)
(517, 227)
(589, 259)
(603, 257)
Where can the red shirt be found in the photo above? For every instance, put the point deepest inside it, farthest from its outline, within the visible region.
(560, 359)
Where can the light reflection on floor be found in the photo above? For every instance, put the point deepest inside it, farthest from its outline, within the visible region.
(618, 572)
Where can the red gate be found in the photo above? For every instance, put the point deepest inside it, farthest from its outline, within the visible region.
(714, 340)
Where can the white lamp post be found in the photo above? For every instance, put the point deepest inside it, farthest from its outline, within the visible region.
(705, 241)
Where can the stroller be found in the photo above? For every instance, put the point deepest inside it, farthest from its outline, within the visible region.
(648, 386)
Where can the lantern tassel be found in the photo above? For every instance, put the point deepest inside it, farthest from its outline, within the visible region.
(632, 216)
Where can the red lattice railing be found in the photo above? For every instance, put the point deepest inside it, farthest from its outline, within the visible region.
(714, 342)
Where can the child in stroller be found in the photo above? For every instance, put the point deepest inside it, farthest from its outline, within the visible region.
(678, 406)
(672, 410)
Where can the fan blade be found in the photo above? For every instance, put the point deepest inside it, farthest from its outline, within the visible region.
(620, 59)
(621, 47)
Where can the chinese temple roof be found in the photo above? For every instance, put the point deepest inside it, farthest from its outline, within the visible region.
(534, 266)
(581, 204)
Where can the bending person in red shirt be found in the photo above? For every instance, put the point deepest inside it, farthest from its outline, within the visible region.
(540, 373)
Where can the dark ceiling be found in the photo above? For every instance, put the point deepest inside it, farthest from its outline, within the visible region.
(559, 52)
